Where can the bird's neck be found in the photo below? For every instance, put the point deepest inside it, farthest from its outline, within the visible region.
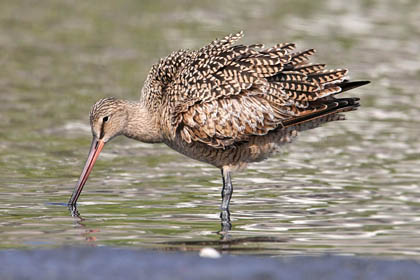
(142, 125)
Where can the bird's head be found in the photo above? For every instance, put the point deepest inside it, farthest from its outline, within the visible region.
(108, 119)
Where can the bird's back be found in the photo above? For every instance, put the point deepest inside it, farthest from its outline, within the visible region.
(225, 96)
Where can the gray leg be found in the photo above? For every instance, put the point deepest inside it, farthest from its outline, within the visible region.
(227, 190)
(226, 195)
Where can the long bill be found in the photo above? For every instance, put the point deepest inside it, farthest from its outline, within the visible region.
(95, 148)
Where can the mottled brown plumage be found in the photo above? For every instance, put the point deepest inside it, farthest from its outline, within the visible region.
(225, 104)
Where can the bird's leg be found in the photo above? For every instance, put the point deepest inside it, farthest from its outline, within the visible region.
(227, 189)
(226, 195)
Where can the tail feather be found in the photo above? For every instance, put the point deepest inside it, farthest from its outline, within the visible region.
(327, 109)
(331, 109)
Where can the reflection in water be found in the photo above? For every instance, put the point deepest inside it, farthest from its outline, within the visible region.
(225, 243)
(225, 223)
(88, 234)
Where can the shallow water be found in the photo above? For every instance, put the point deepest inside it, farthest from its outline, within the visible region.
(348, 188)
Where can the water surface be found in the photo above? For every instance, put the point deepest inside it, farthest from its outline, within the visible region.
(348, 188)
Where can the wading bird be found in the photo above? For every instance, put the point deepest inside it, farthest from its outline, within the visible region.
(227, 105)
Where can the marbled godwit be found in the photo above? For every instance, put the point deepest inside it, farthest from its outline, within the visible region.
(225, 104)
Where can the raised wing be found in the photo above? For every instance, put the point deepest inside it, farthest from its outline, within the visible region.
(223, 93)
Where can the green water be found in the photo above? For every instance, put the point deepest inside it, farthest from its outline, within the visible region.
(349, 188)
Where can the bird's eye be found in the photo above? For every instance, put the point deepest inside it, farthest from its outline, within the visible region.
(105, 119)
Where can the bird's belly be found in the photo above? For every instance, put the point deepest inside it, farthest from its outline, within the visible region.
(236, 156)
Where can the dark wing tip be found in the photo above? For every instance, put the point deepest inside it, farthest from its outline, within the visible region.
(345, 86)
(360, 83)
